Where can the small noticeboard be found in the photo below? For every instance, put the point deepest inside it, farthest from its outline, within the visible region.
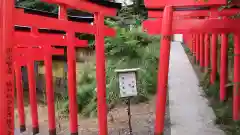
(127, 82)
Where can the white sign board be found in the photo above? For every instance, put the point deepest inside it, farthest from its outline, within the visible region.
(127, 83)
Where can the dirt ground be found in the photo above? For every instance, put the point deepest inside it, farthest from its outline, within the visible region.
(142, 121)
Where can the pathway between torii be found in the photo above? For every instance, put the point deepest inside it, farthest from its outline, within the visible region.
(189, 110)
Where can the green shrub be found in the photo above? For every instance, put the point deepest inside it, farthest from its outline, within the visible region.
(223, 110)
(129, 49)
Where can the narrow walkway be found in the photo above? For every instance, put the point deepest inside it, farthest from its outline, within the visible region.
(189, 110)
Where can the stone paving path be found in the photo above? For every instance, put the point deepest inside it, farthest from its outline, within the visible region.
(189, 110)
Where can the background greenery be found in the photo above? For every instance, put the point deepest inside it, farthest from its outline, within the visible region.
(129, 49)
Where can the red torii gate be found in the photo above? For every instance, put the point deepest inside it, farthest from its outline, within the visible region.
(44, 42)
(227, 27)
(169, 25)
(24, 57)
(184, 3)
(212, 12)
(99, 9)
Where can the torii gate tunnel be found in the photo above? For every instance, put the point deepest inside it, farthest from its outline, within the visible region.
(196, 20)
(22, 47)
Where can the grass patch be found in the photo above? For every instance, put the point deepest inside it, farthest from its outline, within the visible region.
(223, 110)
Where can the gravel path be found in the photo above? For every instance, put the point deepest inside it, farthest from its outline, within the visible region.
(143, 120)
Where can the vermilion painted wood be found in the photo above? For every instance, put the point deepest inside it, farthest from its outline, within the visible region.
(197, 48)
(73, 108)
(189, 41)
(56, 24)
(158, 14)
(22, 55)
(213, 58)
(202, 51)
(193, 26)
(207, 51)
(189, 37)
(50, 91)
(100, 75)
(223, 66)
(71, 61)
(41, 53)
(6, 69)
(32, 97)
(85, 6)
(72, 85)
(163, 3)
(43, 39)
(197, 13)
(211, 25)
(27, 38)
(155, 14)
(194, 47)
(163, 70)
(27, 56)
(177, 14)
(20, 100)
(236, 80)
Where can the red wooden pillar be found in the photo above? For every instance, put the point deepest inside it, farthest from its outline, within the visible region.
(189, 38)
(33, 96)
(6, 68)
(236, 79)
(191, 42)
(73, 108)
(100, 74)
(201, 51)
(71, 61)
(49, 85)
(197, 49)
(213, 58)
(32, 93)
(186, 40)
(194, 47)
(223, 66)
(20, 100)
(163, 71)
(50, 91)
(29, 55)
(207, 53)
